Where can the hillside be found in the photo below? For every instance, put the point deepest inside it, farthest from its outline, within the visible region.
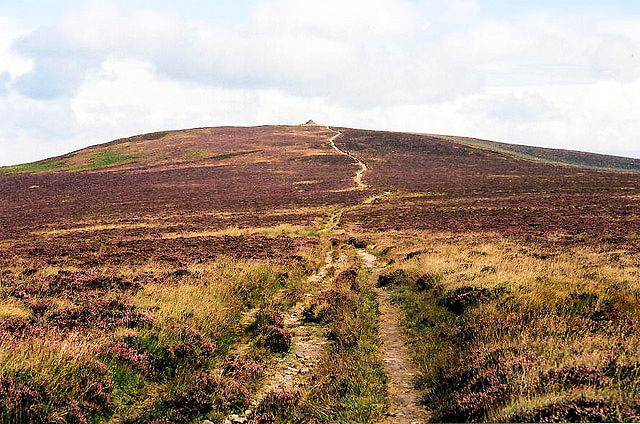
(319, 274)
(555, 156)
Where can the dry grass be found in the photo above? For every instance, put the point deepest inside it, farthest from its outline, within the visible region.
(97, 227)
(282, 229)
(13, 309)
(515, 331)
(190, 317)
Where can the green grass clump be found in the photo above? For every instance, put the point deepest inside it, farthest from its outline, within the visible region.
(104, 159)
(35, 167)
(200, 153)
(96, 160)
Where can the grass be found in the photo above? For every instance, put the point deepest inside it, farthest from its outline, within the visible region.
(519, 332)
(279, 230)
(105, 159)
(95, 160)
(199, 153)
(13, 309)
(36, 167)
(157, 368)
(349, 384)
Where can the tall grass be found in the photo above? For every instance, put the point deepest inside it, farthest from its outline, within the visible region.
(349, 382)
(522, 332)
(154, 369)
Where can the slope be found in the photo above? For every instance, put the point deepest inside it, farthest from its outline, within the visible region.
(190, 275)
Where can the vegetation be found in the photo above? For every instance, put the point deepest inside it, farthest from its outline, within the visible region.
(508, 332)
(35, 167)
(158, 354)
(220, 276)
(104, 159)
(95, 160)
(350, 383)
(556, 156)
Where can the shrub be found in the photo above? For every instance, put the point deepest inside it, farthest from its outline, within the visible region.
(463, 298)
(428, 281)
(324, 306)
(276, 405)
(19, 402)
(357, 243)
(275, 338)
(201, 394)
(40, 307)
(393, 278)
(571, 376)
(579, 410)
(348, 278)
(268, 315)
(246, 371)
(138, 359)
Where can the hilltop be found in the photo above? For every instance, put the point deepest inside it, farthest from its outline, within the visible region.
(294, 169)
(319, 274)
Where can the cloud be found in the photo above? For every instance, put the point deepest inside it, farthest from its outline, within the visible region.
(11, 62)
(106, 71)
(33, 129)
(359, 53)
(618, 58)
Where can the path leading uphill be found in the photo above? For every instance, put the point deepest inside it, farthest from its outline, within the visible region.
(289, 371)
(360, 185)
(404, 399)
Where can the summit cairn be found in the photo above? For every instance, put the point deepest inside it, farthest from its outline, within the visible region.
(310, 122)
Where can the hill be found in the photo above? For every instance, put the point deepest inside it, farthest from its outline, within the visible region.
(318, 274)
(555, 156)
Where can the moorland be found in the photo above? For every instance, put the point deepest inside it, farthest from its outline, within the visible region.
(319, 274)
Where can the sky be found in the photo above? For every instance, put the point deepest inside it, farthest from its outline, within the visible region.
(562, 74)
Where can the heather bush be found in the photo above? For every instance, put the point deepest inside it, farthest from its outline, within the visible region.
(19, 402)
(397, 277)
(502, 336)
(277, 406)
(462, 298)
(427, 281)
(578, 410)
(348, 278)
(246, 371)
(268, 314)
(324, 307)
(277, 339)
(140, 360)
(201, 394)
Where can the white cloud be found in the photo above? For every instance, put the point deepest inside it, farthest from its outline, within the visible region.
(441, 67)
(10, 61)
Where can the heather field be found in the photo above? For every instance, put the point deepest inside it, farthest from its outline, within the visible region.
(225, 274)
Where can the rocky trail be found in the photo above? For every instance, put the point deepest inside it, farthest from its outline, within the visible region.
(357, 179)
(404, 399)
(289, 372)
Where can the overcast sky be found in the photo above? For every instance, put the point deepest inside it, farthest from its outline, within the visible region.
(553, 73)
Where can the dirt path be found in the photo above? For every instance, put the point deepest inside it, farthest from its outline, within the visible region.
(288, 373)
(360, 185)
(404, 399)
